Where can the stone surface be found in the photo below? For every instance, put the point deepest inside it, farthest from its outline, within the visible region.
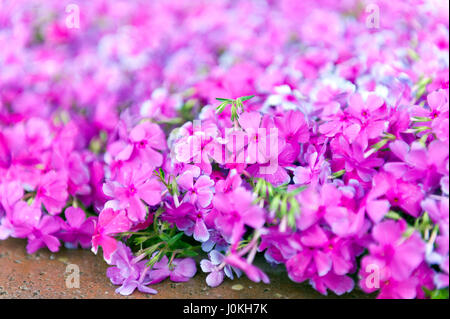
(43, 275)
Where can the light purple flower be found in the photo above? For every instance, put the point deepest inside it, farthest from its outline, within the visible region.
(180, 270)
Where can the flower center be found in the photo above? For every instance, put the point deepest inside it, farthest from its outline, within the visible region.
(142, 144)
(132, 190)
(41, 192)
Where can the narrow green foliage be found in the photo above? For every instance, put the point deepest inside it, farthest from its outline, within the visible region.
(237, 105)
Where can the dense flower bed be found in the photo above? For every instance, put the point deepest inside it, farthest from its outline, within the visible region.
(314, 133)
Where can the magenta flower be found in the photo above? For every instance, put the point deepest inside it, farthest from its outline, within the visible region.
(315, 205)
(5, 153)
(352, 159)
(292, 127)
(109, 223)
(428, 165)
(51, 192)
(145, 140)
(399, 194)
(40, 230)
(339, 122)
(370, 113)
(44, 235)
(78, 183)
(130, 190)
(229, 184)
(180, 270)
(256, 143)
(198, 145)
(317, 169)
(375, 206)
(235, 211)
(337, 284)
(398, 256)
(77, 228)
(10, 193)
(188, 219)
(335, 254)
(201, 192)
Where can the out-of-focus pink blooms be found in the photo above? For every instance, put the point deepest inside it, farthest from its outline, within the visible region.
(162, 105)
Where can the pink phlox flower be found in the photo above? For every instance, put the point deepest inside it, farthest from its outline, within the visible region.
(52, 192)
(292, 127)
(316, 204)
(188, 219)
(198, 145)
(352, 159)
(236, 210)
(131, 189)
(277, 245)
(201, 192)
(371, 114)
(77, 228)
(229, 184)
(338, 122)
(28, 222)
(79, 175)
(316, 171)
(400, 255)
(145, 142)
(109, 223)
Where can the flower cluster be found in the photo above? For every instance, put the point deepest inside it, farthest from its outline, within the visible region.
(312, 135)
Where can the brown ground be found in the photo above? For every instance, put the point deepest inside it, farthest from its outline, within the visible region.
(43, 274)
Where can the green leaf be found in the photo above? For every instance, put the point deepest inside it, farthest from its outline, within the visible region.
(393, 215)
(174, 239)
(161, 173)
(246, 98)
(221, 107)
(275, 203)
(189, 253)
(141, 240)
(338, 173)
(297, 190)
